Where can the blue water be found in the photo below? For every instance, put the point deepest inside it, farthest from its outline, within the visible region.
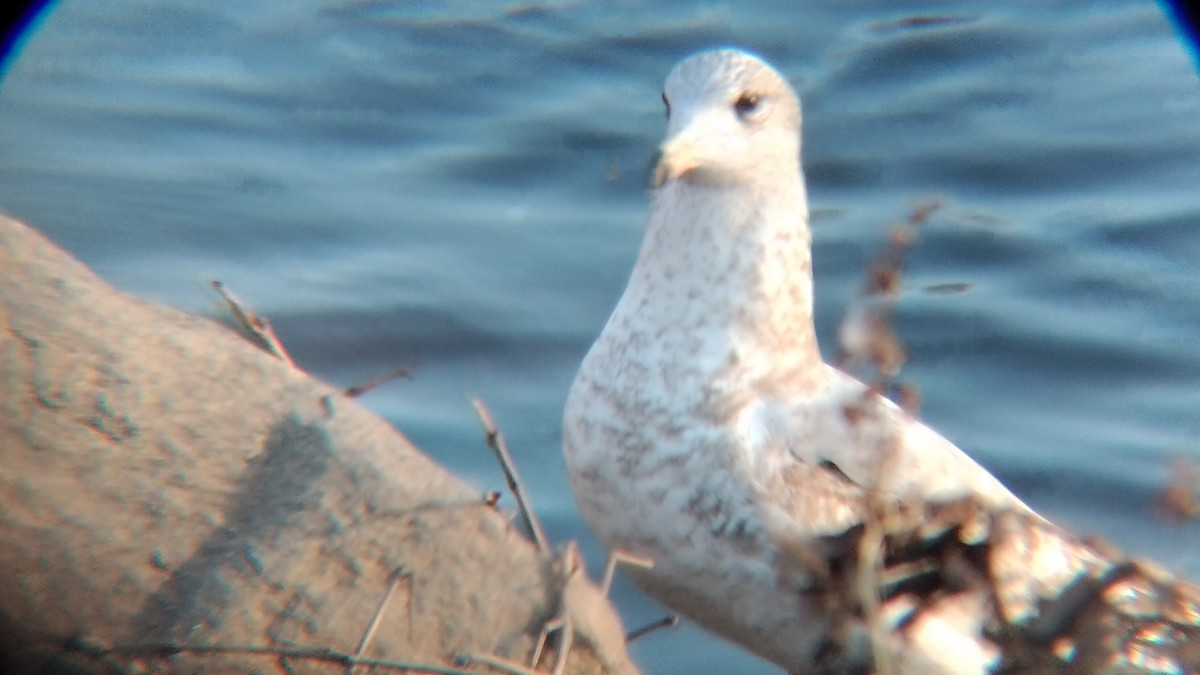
(459, 188)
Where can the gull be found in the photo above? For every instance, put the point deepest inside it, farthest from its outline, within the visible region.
(787, 506)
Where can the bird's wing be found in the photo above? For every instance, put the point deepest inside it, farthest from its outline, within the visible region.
(920, 553)
(881, 447)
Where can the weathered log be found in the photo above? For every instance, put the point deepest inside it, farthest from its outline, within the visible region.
(165, 487)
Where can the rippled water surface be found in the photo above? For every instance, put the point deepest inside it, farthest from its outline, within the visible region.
(459, 188)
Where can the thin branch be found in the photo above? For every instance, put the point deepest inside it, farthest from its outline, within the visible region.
(870, 552)
(668, 621)
(566, 637)
(496, 662)
(254, 324)
(166, 649)
(360, 389)
(552, 624)
(866, 335)
(495, 441)
(369, 635)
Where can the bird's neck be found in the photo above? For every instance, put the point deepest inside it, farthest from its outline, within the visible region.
(725, 274)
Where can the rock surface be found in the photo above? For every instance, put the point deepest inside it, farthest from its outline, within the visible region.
(163, 483)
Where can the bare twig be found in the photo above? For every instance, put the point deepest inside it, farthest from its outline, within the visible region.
(360, 389)
(549, 627)
(166, 649)
(872, 340)
(668, 621)
(369, 635)
(254, 324)
(497, 662)
(565, 640)
(866, 333)
(598, 625)
(870, 553)
(569, 567)
(495, 441)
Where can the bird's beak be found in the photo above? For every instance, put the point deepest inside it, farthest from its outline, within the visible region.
(676, 158)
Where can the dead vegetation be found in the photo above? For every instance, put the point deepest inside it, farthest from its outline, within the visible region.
(908, 562)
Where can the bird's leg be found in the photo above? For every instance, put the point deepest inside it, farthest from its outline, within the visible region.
(619, 556)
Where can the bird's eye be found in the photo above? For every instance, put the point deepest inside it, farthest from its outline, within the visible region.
(746, 104)
(667, 104)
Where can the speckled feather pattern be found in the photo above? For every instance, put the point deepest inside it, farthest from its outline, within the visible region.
(706, 386)
(705, 432)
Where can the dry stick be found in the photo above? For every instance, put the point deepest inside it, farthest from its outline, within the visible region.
(253, 323)
(668, 621)
(360, 389)
(870, 549)
(566, 638)
(495, 441)
(165, 649)
(870, 553)
(551, 625)
(883, 279)
(541, 642)
(562, 623)
(570, 563)
(412, 616)
(498, 663)
(369, 635)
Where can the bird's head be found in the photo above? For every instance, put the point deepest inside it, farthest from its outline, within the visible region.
(729, 116)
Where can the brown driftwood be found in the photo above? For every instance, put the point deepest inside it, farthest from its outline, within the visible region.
(166, 489)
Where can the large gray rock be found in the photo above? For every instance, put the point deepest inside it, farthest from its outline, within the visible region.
(163, 481)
